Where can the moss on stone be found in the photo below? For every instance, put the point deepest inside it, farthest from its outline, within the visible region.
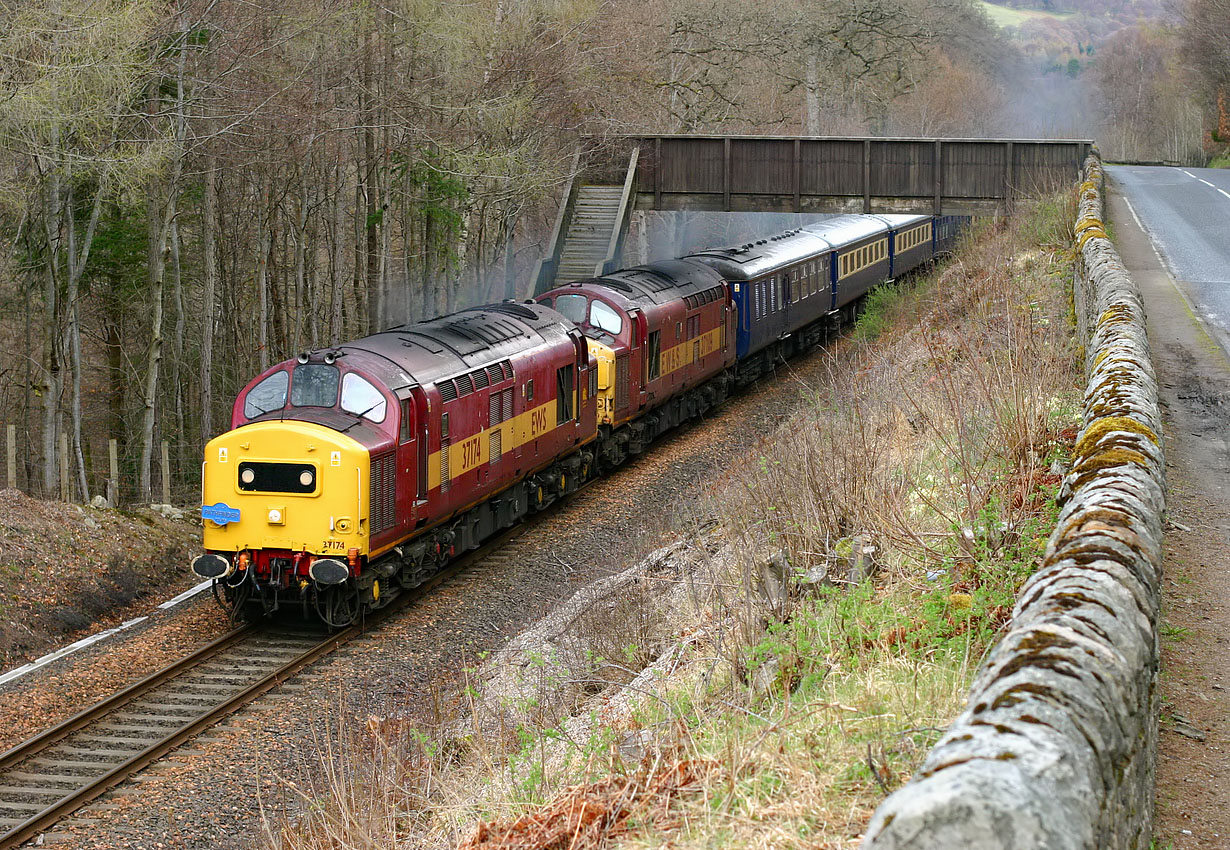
(1107, 425)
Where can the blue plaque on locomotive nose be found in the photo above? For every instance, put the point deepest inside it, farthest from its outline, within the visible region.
(221, 513)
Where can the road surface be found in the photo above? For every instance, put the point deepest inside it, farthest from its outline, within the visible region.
(1172, 228)
(1186, 213)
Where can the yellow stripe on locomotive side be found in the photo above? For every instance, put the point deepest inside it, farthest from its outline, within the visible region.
(686, 353)
(472, 452)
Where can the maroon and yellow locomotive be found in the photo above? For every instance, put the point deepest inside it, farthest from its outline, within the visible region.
(352, 472)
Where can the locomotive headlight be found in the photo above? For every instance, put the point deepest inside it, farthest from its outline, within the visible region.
(306, 478)
(276, 516)
(248, 475)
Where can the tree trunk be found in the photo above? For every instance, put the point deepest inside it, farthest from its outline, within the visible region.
(210, 296)
(262, 280)
(51, 336)
(339, 231)
(161, 215)
(177, 351)
(297, 316)
(76, 267)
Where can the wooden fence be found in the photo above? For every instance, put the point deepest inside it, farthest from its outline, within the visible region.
(114, 491)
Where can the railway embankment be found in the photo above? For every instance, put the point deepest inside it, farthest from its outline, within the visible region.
(770, 677)
(69, 570)
(1056, 745)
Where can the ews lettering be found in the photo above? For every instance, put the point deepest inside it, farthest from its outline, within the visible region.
(538, 421)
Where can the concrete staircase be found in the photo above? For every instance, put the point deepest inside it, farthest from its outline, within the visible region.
(589, 232)
(594, 219)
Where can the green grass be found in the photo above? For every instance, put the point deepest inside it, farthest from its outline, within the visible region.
(1222, 161)
(1005, 17)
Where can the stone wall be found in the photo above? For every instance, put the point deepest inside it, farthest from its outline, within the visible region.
(1056, 746)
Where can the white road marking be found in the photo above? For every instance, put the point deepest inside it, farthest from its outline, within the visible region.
(18, 672)
(1224, 192)
(1206, 182)
(1160, 259)
(1189, 174)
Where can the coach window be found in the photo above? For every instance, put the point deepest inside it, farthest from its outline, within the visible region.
(268, 395)
(314, 385)
(362, 399)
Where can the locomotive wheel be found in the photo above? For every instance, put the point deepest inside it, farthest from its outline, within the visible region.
(342, 606)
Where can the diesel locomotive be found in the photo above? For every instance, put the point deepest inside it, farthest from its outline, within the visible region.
(352, 473)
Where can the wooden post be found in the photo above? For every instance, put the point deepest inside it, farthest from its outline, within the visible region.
(726, 173)
(166, 474)
(938, 208)
(12, 457)
(63, 467)
(1009, 157)
(113, 483)
(798, 175)
(657, 173)
(867, 176)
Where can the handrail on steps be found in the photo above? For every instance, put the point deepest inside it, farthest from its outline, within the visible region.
(614, 251)
(544, 269)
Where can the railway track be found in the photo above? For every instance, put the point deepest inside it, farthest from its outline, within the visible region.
(62, 769)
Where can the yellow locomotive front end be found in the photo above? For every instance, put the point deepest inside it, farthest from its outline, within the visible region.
(285, 515)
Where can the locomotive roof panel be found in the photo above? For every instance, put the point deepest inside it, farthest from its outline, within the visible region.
(660, 282)
(764, 256)
(440, 348)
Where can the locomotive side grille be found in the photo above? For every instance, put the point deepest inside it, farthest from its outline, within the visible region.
(495, 373)
(497, 447)
(445, 479)
(621, 382)
(497, 407)
(508, 402)
(507, 367)
(383, 493)
(448, 390)
(464, 385)
(480, 379)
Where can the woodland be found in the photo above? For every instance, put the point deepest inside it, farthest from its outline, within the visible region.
(193, 190)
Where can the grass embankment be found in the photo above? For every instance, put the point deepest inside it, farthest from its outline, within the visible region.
(721, 696)
(1006, 17)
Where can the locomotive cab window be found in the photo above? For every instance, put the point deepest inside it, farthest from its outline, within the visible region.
(572, 307)
(655, 355)
(314, 385)
(361, 398)
(563, 394)
(529, 390)
(269, 394)
(603, 317)
(406, 426)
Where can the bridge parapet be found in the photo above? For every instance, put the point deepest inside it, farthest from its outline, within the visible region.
(842, 175)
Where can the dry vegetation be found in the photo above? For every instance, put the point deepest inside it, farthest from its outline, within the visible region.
(719, 696)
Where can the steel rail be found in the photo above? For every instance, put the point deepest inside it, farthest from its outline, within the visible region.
(94, 787)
